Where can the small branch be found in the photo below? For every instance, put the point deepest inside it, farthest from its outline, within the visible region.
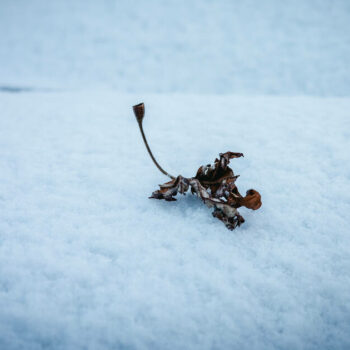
(139, 111)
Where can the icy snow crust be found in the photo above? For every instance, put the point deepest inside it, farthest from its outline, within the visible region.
(195, 46)
(87, 261)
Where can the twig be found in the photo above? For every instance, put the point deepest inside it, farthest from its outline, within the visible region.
(139, 111)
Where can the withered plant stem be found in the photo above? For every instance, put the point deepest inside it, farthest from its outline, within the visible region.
(139, 111)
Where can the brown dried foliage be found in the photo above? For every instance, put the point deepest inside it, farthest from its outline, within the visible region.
(215, 185)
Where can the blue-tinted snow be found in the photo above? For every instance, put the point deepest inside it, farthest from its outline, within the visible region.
(262, 47)
(87, 261)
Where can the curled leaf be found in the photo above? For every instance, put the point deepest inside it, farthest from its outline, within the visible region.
(216, 186)
(252, 200)
(170, 189)
(215, 174)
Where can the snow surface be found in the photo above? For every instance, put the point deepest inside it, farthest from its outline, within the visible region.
(87, 261)
(195, 46)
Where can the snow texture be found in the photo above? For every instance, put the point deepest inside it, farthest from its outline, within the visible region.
(293, 47)
(87, 261)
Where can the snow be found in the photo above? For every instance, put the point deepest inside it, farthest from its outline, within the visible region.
(291, 47)
(87, 261)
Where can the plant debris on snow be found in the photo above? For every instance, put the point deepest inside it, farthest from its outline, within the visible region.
(214, 184)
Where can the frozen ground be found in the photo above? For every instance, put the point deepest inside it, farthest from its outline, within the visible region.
(193, 46)
(87, 261)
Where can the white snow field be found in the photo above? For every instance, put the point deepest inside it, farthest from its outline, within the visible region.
(87, 261)
(206, 46)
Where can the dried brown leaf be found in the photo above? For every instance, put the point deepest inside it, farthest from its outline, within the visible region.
(215, 185)
(170, 189)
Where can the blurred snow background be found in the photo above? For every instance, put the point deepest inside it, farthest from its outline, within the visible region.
(87, 261)
(260, 47)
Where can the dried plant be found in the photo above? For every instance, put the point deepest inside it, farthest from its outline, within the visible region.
(214, 184)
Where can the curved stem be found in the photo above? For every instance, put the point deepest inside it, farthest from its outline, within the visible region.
(139, 111)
